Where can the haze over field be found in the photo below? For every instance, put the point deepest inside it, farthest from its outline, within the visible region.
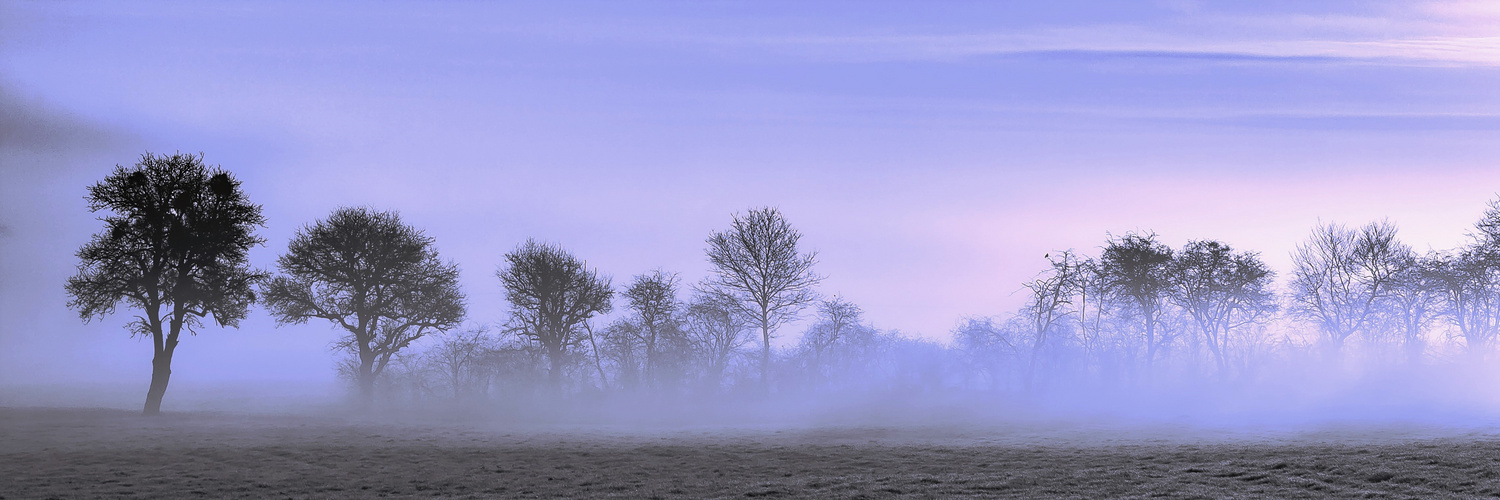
(930, 157)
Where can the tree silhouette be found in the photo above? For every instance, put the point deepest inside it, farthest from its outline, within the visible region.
(1051, 294)
(1222, 290)
(1136, 269)
(1468, 281)
(1416, 299)
(552, 294)
(653, 299)
(1470, 296)
(716, 330)
(373, 276)
(460, 360)
(1341, 275)
(836, 317)
(175, 248)
(758, 268)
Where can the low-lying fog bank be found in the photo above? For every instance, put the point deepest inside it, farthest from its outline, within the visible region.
(1429, 402)
(67, 452)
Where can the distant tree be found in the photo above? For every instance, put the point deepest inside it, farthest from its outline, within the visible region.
(1136, 270)
(716, 330)
(1091, 303)
(552, 295)
(621, 343)
(459, 360)
(1051, 294)
(758, 267)
(1415, 300)
(1222, 290)
(653, 301)
(372, 275)
(1470, 291)
(175, 247)
(598, 356)
(1340, 277)
(1484, 267)
(1468, 282)
(836, 317)
(988, 348)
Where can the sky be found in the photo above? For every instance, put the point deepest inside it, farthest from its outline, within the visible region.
(930, 152)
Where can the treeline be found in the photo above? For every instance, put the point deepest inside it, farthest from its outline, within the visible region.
(1137, 313)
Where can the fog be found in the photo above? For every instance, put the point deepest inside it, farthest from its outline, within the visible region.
(937, 163)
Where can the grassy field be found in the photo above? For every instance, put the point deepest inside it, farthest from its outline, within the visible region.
(93, 453)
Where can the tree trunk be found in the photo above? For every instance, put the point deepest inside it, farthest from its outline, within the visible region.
(1150, 342)
(161, 372)
(1335, 346)
(1414, 344)
(765, 356)
(366, 382)
(598, 365)
(554, 370)
(161, 363)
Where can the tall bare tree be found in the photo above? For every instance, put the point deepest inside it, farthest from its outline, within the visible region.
(175, 247)
(757, 266)
(1341, 275)
(372, 275)
(1222, 290)
(552, 294)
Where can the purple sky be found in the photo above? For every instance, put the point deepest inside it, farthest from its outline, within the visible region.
(931, 153)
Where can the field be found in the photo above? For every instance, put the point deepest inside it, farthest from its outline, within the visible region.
(93, 453)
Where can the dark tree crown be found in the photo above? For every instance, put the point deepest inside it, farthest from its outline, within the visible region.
(178, 233)
(552, 293)
(368, 272)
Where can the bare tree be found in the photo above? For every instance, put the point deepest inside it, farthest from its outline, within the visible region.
(1415, 300)
(1222, 290)
(459, 359)
(552, 294)
(653, 300)
(1136, 269)
(1051, 294)
(1092, 304)
(757, 265)
(176, 248)
(836, 316)
(621, 342)
(372, 275)
(1340, 276)
(988, 348)
(1476, 301)
(716, 330)
(1470, 288)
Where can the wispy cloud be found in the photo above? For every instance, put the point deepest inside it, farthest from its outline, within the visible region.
(1134, 42)
(1425, 34)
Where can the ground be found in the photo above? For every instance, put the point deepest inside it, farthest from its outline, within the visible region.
(93, 453)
